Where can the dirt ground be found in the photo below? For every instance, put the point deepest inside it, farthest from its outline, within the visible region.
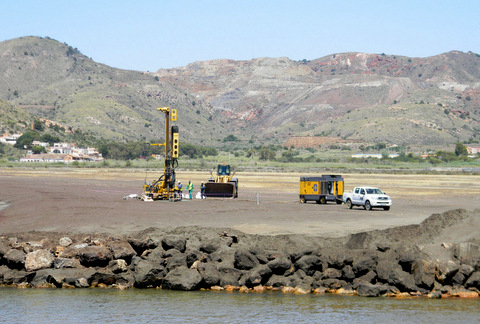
(91, 201)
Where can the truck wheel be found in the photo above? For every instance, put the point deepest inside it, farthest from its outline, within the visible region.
(323, 200)
(349, 204)
(302, 200)
(386, 208)
(368, 206)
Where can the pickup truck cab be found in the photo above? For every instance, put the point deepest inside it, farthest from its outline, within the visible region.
(368, 197)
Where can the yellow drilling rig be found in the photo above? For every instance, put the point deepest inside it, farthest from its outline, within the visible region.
(164, 188)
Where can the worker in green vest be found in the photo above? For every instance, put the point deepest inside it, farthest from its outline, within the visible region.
(190, 189)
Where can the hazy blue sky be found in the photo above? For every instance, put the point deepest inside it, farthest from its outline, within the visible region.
(148, 35)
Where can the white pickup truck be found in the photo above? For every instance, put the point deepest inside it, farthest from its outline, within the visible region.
(368, 197)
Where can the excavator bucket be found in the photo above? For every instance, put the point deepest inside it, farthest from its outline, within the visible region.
(220, 190)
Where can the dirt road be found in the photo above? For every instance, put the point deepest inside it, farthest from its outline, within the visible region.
(91, 200)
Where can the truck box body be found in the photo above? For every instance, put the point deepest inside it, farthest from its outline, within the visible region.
(321, 189)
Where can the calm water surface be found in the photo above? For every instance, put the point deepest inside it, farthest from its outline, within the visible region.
(161, 306)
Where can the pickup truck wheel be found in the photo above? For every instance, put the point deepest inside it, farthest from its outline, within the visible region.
(368, 206)
(349, 204)
(386, 208)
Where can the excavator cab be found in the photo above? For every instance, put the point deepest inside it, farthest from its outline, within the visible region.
(223, 184)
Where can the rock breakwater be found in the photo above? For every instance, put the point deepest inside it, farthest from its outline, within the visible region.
(416, 260)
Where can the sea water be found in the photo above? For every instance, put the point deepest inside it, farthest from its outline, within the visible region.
(163, 306)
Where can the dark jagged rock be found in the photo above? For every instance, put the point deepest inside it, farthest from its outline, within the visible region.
(122, 250)
(394, 275)
(347, 273)
(177, 242)
(256, 276)
(445, 271)
(15, 259)
(278, 281)
(362, 265)
(280, 264)
(118, 266)
(309, 264)
(473, 281)
(140, 246)
(95, 256)
(182, 278)
(370, 290)
(148, 274)
(467, 253)
(209, 273)
(175, 261)
(424, 273)
(60, 263)
(244, 260)
(229, 276)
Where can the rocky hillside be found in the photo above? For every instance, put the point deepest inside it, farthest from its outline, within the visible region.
(352, 96)
(52, 80)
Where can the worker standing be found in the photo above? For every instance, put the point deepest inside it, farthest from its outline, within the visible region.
(180, 189)
(202, 190)
(190, 189)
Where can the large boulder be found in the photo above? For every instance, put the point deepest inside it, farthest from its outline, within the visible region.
(15, 277)
(309, 264)
(473, 281)
(244, 260)
(58, 277)
(182, 278)
(95, 256)
(39, 259)
(462, 274)
(178, 242)
(148, 274)
(280, 264)
(256, 276)
(467, 253)
(118, 266)
(332, 273)
(347, 273)
(65, 241)
(61, 263)
(424, 273)
(140, 245)
(209, 273)
(14, 259)
(122, 250)
(445, 271)
(176, 260)
(393, 274)
(229, 276)
(278, 281)
(369, 290)
(363, 264)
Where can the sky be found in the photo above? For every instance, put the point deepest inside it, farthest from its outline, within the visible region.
(147, 35)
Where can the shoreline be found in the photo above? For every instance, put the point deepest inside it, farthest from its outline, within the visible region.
(373, 263)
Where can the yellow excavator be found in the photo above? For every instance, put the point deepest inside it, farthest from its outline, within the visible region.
(164, 188)
(223, 184)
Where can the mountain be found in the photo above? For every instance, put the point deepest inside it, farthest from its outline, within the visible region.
(370, 97)
(356, 97)
(52, 80)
